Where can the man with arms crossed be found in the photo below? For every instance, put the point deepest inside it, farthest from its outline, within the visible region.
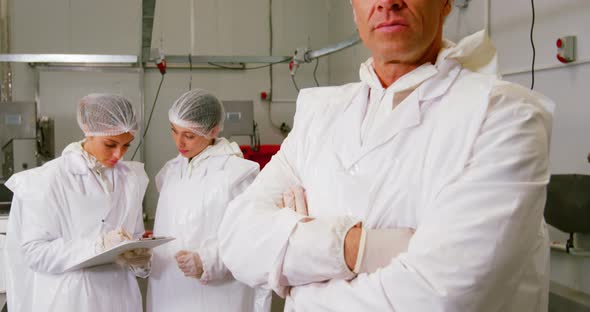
(430, 140)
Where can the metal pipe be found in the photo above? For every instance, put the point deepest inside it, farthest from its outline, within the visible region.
(539, 68)
(312, 55)
(69, 58)
(486, 15)
(309, 56)
(5, 69)
(206, 59)
(558, 247)
(90, 69)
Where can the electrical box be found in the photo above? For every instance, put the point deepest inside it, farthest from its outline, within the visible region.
(566, 49)
(239, 119)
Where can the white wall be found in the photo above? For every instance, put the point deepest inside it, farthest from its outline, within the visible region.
(68, 26)
(222, 27)
(567, 86)
(231, 28)
(344, 65)
(81, 26)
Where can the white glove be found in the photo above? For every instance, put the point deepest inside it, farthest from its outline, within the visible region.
(137, 258)
(295, 199)
(112, 239)
(380, 247)
(189, 263)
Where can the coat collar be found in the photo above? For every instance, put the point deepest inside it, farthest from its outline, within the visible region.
(429, 83)
(214, 156)
(78, 163)
(475, 52)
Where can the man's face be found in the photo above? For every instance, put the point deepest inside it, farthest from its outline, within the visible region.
(401, 31)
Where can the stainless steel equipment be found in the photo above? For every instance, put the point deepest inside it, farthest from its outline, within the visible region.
(17, 120)
(45, 139)
(5, 200)
(19, 155)
(568, 209)
(239, 119)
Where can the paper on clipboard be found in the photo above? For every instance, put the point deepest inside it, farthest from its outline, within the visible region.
(110, 255)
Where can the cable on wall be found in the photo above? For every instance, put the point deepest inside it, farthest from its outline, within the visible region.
(270, 67)
(315, 72)
(149, 119)
(246, 68)
(190, 72)
(294, 83)
(192, 42)
(533, 45)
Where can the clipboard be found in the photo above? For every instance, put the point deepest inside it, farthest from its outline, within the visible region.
(110, 255)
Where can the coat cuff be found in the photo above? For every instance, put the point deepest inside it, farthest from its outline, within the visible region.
(316, 251)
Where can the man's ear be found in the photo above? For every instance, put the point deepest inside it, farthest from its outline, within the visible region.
(353, 12)
(448, 7)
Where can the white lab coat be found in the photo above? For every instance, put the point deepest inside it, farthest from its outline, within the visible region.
(193, 199)
(19, 277)
(63, 211)
(463, 159)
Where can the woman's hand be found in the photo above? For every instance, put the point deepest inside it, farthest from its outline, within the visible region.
(189, 263)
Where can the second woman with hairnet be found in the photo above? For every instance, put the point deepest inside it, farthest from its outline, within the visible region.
(195, 189)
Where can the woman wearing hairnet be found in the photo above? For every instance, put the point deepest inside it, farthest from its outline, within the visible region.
(76, 206)
(195, 188)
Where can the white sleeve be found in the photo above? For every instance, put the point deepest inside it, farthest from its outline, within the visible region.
(315, 252)
(139, 229)
(44, 248)
(255, 233)
(473, 247)
(213, 267)
(142, 181)
(262, 300)
(140, 271)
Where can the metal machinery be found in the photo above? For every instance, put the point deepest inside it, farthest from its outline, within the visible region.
(5, 200)
(239, 120)
(18, 120)
(26, 142)
(568, 209)
(19, 155)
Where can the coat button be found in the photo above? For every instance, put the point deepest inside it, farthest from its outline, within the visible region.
(354, 170)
